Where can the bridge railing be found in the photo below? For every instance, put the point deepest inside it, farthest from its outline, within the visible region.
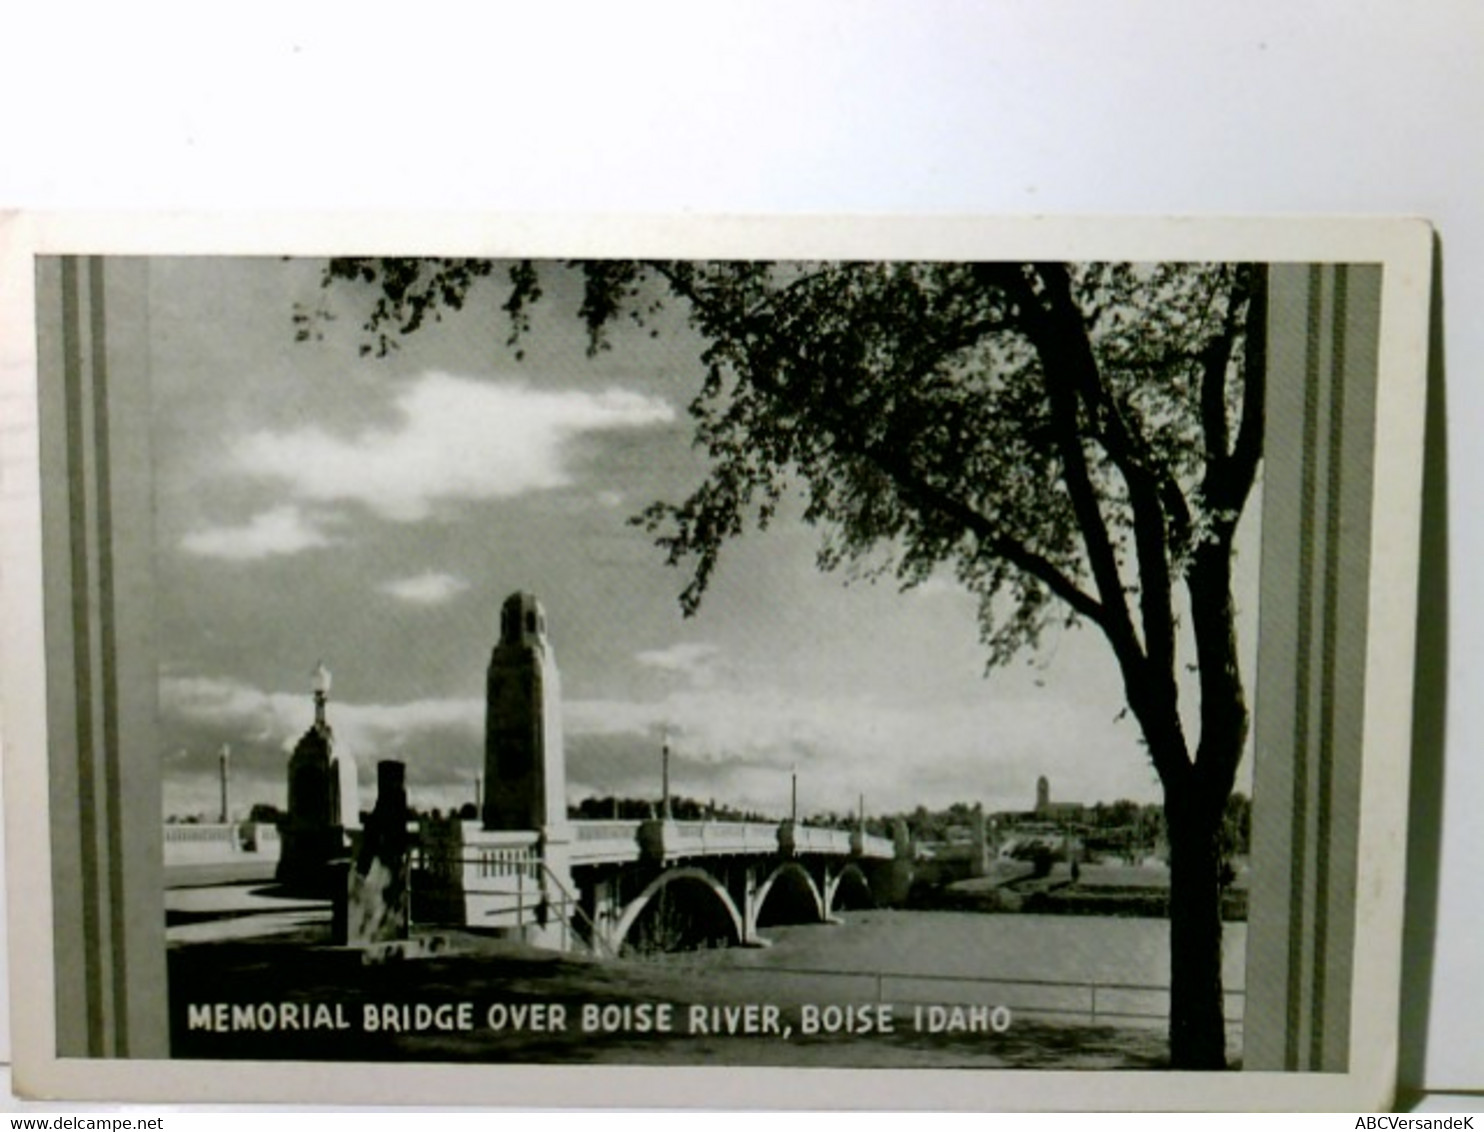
(704, 837)
(605, 841)
(483, 854)
(874, 846)
(193, 833)
(821, 839)
(617, 839)
(194, 843)
(814, 839)
(607, 830)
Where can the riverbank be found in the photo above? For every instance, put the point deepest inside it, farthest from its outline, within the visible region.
(1099, 890)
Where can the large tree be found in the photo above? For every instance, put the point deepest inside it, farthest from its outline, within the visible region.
(1076, 442)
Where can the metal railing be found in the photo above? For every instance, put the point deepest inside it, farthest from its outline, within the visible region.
(596, 940)
(1092, 999)
(528, 893)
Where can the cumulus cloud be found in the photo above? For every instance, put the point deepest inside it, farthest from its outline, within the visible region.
(279, 531)
(458, 439)
(691, 659)
(740, 745)
(250, 714)
(427, 588)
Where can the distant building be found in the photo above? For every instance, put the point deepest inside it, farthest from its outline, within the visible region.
(1047, 810)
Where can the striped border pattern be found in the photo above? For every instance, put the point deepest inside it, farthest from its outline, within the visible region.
(1322, 373)
(105, 866)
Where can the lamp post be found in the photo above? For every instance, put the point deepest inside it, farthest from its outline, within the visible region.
(225, 758)
(793, 801)
(321, 686)
(665, 775)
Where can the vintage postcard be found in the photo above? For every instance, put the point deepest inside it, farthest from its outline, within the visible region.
(710, 662)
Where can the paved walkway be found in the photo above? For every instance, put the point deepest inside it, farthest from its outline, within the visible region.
(236, 911)
(239, 870)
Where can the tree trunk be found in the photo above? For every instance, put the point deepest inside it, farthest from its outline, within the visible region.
(1197, 1023)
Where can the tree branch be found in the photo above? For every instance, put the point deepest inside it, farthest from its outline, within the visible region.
(890, 460)
(1229, 477)
(1012, 550)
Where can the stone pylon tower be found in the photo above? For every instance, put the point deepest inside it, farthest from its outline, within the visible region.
(311, 832)
(525, 779)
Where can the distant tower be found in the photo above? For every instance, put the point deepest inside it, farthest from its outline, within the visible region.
(665, 775)
(224, 757)
(1043, 795)
(983, 853)
(525, 780)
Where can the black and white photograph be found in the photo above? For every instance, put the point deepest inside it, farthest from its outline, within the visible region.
(969, 660)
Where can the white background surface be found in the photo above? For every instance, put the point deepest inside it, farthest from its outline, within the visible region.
(855, 106)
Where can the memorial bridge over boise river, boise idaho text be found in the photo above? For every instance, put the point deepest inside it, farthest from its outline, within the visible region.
(526, 870)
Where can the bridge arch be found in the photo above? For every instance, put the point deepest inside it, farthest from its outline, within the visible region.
(636, 907)
(851, 878)
(788, 871)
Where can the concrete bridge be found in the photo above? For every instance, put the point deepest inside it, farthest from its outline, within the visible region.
(658, 884)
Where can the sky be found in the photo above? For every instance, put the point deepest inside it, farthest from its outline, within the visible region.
(373, 513)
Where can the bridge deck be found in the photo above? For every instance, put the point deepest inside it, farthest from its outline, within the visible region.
(507, 878)
(497, 852)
